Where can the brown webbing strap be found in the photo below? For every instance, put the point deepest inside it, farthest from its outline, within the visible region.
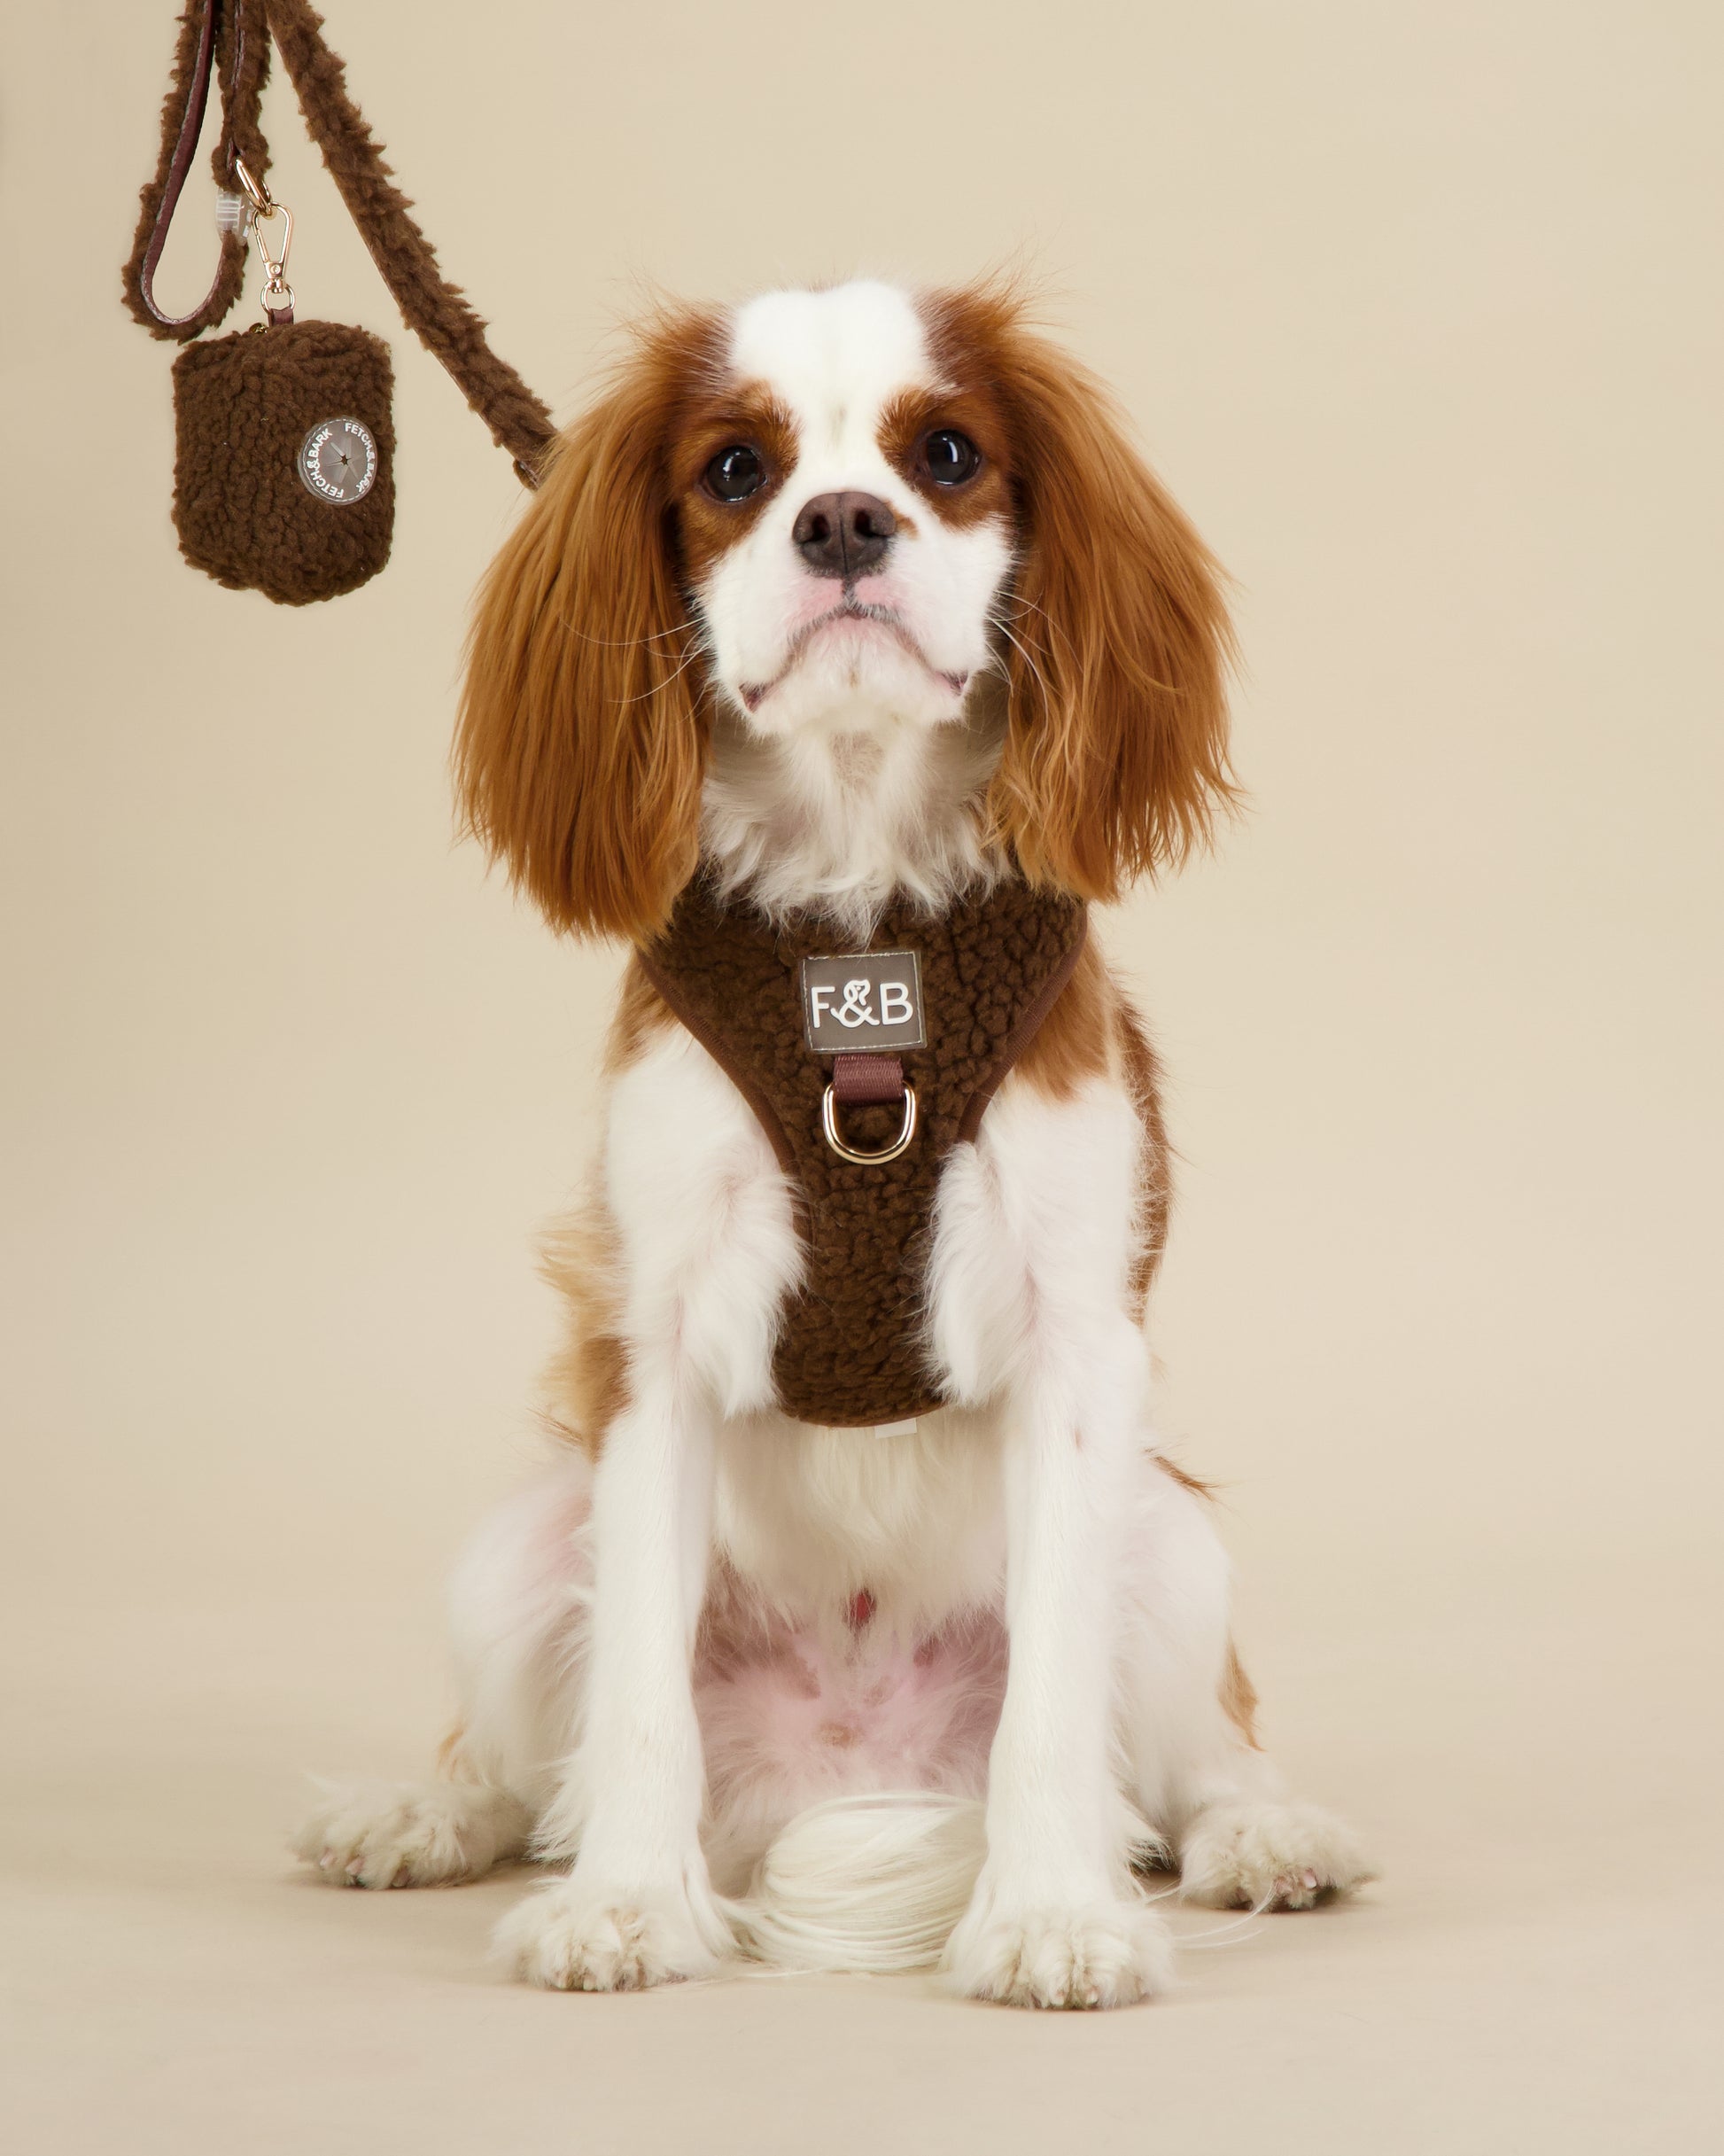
(236, 34)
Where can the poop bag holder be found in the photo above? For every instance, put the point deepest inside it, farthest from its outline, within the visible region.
(284, 460)
(284, 447)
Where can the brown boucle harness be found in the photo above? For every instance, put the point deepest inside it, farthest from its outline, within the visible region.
(851, 1348)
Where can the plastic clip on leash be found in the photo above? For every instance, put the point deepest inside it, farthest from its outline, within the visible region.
(283, 474)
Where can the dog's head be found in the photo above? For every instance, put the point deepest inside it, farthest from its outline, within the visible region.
(825, 511)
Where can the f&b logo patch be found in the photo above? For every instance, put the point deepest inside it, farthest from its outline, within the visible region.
(872, 1000)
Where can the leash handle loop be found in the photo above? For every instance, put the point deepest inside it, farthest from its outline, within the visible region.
(227, 41)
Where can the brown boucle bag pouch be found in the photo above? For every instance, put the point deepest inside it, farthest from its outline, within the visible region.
(285, 459)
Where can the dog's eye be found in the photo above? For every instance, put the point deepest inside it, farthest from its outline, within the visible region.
(736, 473)
(951, 458)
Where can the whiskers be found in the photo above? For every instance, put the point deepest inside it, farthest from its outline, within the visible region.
(696, 649)
(998, 621)
(627, 643)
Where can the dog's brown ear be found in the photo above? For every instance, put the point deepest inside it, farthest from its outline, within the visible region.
(582, 737)
(1116, 755)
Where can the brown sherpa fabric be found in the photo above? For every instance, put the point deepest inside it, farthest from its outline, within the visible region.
(851, 1350)
(434, 309)
(245, 405)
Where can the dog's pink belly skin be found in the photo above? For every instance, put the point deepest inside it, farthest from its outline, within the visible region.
(791, 1710)
(790, 1716)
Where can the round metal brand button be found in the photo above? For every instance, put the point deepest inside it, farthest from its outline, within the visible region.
(338, 461)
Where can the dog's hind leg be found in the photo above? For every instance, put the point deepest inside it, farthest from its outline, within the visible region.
(518, 1609)
(411, 1833)
(1263, 1855)
(1188, 1730)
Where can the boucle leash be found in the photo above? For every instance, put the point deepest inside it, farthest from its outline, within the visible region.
(284, 445)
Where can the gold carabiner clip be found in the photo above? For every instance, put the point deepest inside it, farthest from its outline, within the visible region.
(277, 293)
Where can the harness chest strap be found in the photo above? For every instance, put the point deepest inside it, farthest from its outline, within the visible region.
(849, 1350)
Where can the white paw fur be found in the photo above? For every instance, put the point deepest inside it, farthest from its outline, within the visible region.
(1269, 1856)
(409, 1833)
(567, 1935)
(1089, 1954)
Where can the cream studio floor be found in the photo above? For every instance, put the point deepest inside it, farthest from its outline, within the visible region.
(1538, 1969)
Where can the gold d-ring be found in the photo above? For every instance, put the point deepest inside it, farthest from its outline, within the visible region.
(829, 1124)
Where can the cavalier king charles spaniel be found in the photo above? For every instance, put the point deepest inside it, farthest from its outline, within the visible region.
(842, 600)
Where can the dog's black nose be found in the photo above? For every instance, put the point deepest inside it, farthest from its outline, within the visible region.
(843, 535)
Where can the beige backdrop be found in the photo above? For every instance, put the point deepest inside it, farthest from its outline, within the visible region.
(1417, 306)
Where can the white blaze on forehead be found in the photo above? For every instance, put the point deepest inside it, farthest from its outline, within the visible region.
(900, 643)
(834, 357)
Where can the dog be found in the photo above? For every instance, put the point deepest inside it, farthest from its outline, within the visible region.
(852, 606)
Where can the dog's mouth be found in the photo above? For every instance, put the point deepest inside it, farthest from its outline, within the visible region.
(859, 613)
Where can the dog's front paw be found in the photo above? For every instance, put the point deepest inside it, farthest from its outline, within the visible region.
(1082, 1953)
(573, 1936)
(1269, 1856)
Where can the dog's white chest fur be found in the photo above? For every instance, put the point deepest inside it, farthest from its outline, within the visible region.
(818, 1515)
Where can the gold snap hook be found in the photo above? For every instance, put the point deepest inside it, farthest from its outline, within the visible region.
(278, 293)
(274, 265)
